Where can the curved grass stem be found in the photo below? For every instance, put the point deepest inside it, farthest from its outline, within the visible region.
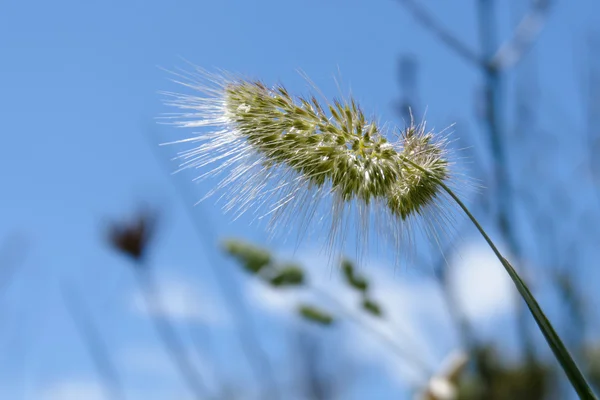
(560, 351)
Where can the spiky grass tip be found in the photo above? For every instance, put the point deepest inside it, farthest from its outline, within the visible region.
(296, 155)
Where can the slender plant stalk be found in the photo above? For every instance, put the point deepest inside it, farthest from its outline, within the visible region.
(493, 96)
(393, 345)
(94, 342)
(257, 358)
(560, 351)
(465, 331)
(12, 252)
(167, 334)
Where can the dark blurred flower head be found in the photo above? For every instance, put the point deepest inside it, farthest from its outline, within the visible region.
(132, 236)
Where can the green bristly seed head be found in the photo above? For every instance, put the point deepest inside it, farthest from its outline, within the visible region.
(341, 148)
(417, 187)
(324, 166)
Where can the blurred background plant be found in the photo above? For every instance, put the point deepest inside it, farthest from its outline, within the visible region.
(256, 319)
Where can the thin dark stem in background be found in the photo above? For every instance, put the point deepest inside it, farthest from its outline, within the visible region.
(492, 61)
(319, 372)
(402, 352)
(260, 364)
(441, 270)
(94, 342)
(502, 185)
(591, 100)
(445, 36)
(202, 342)
(463, 326)
(317, 385)
(168, 335)
(12, 254)
(258, 359)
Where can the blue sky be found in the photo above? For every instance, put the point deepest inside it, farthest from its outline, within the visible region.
(78, 101)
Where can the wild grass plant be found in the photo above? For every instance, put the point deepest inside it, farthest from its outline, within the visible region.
(287, 157)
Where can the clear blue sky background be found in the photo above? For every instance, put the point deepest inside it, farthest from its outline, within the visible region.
(78, 98)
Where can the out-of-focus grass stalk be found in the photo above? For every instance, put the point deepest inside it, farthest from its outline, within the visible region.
(94, 342)
(168, 336)
(404, 354)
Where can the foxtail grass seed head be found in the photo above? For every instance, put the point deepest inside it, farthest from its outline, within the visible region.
(293, 156)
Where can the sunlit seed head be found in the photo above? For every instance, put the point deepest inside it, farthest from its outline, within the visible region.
(341, 148)
(416, 188)
(294, 155)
